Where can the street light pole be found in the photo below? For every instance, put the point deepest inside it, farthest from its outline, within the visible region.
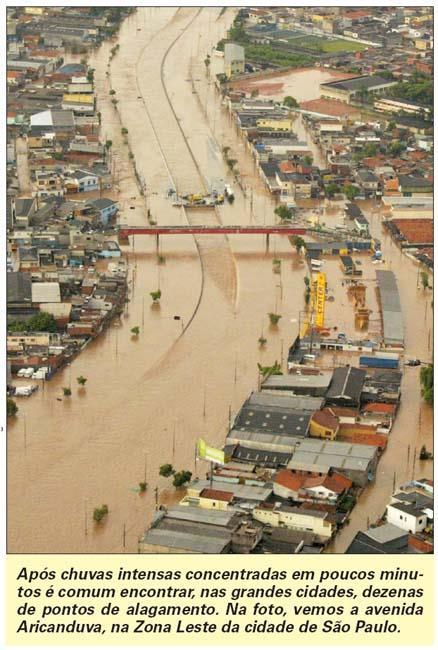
(205, 398)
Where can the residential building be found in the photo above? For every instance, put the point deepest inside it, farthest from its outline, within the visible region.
(284, 516)
(234, 59)
(324, 425)
(106, 209)
(410, 511)
(302, 487)
(83, 181)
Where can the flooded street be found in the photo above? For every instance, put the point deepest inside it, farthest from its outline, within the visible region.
(148, 399)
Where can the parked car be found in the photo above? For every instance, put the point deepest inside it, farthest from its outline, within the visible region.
(413, 362)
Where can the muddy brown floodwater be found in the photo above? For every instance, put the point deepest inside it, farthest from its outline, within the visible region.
(147, 401)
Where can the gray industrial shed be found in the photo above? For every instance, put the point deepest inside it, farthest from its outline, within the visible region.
(392, 317)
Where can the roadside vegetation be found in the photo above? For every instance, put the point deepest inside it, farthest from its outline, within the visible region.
(12, 408)
(426, 380)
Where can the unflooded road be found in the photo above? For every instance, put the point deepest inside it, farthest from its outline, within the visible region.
(148, 399)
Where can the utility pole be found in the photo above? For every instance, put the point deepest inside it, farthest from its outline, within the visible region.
(156, 498)
(85, 518)
(25, 431)
(124, 535)
(205, 398)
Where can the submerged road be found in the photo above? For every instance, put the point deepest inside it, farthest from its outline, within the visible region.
(149, 398)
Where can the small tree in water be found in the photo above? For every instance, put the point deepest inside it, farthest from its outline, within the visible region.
(12, 408)
(425, 279)
(274, 318)
(135, 330)
(267, 371)
(181, 478)
(99, 513)
(155, 295)
(66, 391)
(166, 470)
(81, 380)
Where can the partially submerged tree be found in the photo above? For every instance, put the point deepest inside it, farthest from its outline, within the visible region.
(12, 408)
(181, 478)
(135, 330)
(66, 391)
(351, 191)
(166, 470)
(299, 243)
(290, 102)
(267, 371)
(425, 279)
(274, 318)
(100, 512)
(81, 380)
(426, 379)
(285, 213)
(155, 295)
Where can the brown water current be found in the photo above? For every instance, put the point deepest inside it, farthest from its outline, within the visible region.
(147, 400)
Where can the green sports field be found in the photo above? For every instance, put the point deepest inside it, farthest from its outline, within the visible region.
(326, 46)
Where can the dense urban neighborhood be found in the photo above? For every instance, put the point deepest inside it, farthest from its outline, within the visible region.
(219, 279)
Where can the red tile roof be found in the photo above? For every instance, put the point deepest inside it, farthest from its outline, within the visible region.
(218, 495)
(377, 407)
(290, 481)
(357, 428)
(375, 439)
(342, 411)
(334, 482)
(329, 107)
(287, 166)
(325, 419)
(372, 162)
(416, 231)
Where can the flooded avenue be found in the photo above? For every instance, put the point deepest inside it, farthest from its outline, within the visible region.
(148, 400)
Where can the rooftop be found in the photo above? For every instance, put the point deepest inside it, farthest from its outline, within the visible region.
(283, 421)
(220, 495)
(278, 398)
(347, 384)
(289, 382)
(393, 332)
(357, 83)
